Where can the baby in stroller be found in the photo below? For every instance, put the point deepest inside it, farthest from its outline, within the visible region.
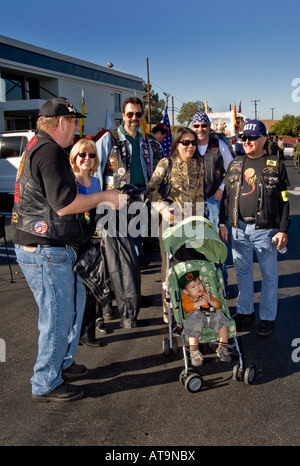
(201, 311)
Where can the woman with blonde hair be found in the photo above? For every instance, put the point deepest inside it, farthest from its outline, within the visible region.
(85, 162)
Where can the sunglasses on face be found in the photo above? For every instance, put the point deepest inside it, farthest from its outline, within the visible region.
(249, 138)
(187, 142)
(131, 115)
(84, 154)
(204, 125)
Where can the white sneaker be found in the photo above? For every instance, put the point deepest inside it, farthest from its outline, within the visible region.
(196, 358)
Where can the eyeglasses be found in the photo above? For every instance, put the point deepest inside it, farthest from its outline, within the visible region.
(187, 142)
(196, 125)
(131, 115)
(84, 154)
(249, 138)
(76, 120)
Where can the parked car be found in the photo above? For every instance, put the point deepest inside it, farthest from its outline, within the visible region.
(288, 149)
(12, 144)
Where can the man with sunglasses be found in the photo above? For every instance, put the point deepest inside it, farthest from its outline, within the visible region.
(256, 203)
(48, 219)
(128, 158)
(217, 157)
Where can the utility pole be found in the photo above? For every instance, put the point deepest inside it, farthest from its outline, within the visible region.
(255, 106)
(272, 108)
(149, 108)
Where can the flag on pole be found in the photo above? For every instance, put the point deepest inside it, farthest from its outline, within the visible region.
(240, 107)
(108, 121)
(144, 126)
(167, 141)
(206, 106)
(234, 115)
(81, 127)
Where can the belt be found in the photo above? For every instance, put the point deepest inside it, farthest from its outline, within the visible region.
(206, 311)
(248, 220)
(47, 245)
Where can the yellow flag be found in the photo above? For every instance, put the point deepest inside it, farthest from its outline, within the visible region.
(144, 126)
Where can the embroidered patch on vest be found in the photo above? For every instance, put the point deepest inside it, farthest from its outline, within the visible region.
(40, 227)
(112, 163)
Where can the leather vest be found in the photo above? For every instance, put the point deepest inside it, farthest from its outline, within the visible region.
(32, 213)
(267, 192)
(213, 167)
(117, 170)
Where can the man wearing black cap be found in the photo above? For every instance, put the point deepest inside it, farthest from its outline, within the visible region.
(47, 221)
(255, 200)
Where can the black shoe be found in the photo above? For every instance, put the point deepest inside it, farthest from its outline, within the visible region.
(100, 326)
(108, 312)
(62, 393)
(94, 343)
(241, 319)
(265, 327)
(74, 372)
(127, 322)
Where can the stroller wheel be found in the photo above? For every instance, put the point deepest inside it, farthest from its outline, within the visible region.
(166, 346)
(249, 374)
(193, 383)
(237, 373)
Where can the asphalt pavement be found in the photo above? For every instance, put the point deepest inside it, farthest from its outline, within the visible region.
(133, 396)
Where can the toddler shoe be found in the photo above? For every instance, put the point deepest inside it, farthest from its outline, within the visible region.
(196, 358)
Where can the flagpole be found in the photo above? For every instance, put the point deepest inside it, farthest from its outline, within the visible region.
(81, 128)
(149, 109)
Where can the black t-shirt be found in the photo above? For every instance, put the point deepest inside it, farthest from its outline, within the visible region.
(253, 169)
(50, 167)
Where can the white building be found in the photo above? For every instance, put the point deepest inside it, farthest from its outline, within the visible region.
(30, 75)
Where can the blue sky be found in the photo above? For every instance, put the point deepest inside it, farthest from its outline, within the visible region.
(225, 50)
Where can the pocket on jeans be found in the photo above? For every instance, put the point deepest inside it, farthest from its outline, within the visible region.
(33, 274)
(59, 256)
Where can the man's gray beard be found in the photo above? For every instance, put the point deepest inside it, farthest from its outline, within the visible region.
(133, 128)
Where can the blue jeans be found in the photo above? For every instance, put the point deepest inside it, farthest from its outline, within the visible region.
(212, 209)
(60, 295)
(249, 240)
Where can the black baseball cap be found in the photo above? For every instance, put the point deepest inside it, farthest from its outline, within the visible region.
(59, 106)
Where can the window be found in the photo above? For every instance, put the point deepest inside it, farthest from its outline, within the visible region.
(117, 101)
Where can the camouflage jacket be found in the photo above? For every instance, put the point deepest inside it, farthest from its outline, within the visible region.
(186, 184)
(297, 148)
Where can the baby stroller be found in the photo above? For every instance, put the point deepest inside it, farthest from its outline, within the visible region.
(194, 245)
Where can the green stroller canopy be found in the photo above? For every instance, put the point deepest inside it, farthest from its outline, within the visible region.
(198, 233)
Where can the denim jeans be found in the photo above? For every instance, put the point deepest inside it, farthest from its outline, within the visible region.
(249, 240)
(60, 295)
(212, 208)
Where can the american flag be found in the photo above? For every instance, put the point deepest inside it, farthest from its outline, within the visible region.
(167, 141)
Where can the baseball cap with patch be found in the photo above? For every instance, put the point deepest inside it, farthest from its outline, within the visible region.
(59, 106)
(200, 117)
(187, 277)
(254, 128)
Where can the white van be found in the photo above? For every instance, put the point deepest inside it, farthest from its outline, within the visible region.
(12, 144)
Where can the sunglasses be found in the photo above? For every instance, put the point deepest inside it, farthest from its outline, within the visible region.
(187, 142)
(249, 138)
(131, 115)
(84, 154)
(196, 125)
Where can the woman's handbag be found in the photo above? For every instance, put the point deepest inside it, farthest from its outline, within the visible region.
(165, 186)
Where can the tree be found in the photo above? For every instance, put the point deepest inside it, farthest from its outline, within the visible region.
(189, 109)
(157, 105)
(288, 126)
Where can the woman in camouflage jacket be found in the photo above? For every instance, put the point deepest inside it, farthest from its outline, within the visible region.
(186, 195)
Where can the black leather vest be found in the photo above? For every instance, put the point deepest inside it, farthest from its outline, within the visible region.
(213, 167)
(267, 192)
(32, 213)
(117, 170)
